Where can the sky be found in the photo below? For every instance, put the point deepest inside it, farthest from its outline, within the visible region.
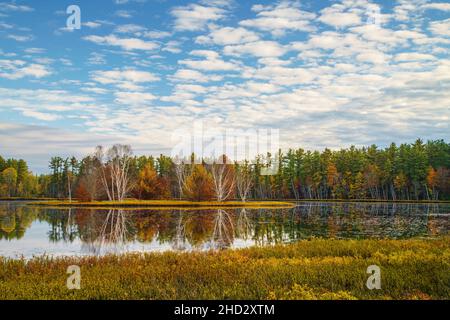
(324, 73)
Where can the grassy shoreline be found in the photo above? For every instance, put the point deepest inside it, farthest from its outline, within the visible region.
(183, 204)
(309, 269)
(164, 203)
(251, 201)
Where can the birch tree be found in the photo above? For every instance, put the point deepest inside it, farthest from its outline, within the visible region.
(182, 172)
(114, 166)
(223, 178)
(244, 181)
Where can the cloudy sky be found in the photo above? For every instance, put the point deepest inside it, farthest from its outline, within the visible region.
(325, 73)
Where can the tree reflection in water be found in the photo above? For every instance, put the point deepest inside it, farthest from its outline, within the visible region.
(112, 237)
(180, 242)
(100, 231)
(244, 225)
(223, 233)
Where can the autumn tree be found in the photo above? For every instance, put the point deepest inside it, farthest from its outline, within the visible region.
(9, 180)
(150, 185)
(199, 185)
(81, 192)
(89, 182)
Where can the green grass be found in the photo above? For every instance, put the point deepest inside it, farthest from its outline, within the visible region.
(163, 203)
(314, 269)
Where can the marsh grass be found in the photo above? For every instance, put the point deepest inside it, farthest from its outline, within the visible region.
(165, 203)
(310, 269)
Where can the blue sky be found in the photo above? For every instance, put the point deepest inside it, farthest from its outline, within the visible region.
(325, 73)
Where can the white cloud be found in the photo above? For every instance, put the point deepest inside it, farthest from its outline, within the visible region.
(20, 38)
(34, 50)
(437, 6)
(127, 79)
(257, 49)
(373, 56)
(96, 58)
(41, 115)
(4, 25)
(413, 56)
(92, 24)
(45, 105)
(17, 69)
(218, 3)
(194, 75)
(286, 16)
(15, 7)
(134, 98)
(129, 28)
(194, 17)
(338, 17)
(172, 46)
(123, 14)
(211, 63)
(125, 43)
(440, 27)
(95, 90)
(405, 10)
(227, 36)
(156, 34)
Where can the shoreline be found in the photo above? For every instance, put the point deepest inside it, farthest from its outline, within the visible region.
(184, 204)
(165, 204)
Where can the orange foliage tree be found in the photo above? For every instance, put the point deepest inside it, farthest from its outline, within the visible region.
(199, 185)
(150, 185)
(81, 192)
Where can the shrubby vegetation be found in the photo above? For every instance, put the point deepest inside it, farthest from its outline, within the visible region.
(315, 269)
(418, 171)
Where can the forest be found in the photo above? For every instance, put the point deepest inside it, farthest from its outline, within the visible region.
(410, 171)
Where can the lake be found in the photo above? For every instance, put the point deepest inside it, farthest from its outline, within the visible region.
(30, 230)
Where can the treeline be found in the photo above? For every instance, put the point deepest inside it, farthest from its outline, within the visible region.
(417, 171)
(16, 180)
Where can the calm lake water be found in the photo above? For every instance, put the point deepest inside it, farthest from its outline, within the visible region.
(27, 231)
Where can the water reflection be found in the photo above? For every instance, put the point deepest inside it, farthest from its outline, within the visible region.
(112, 235)
(32, 230)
